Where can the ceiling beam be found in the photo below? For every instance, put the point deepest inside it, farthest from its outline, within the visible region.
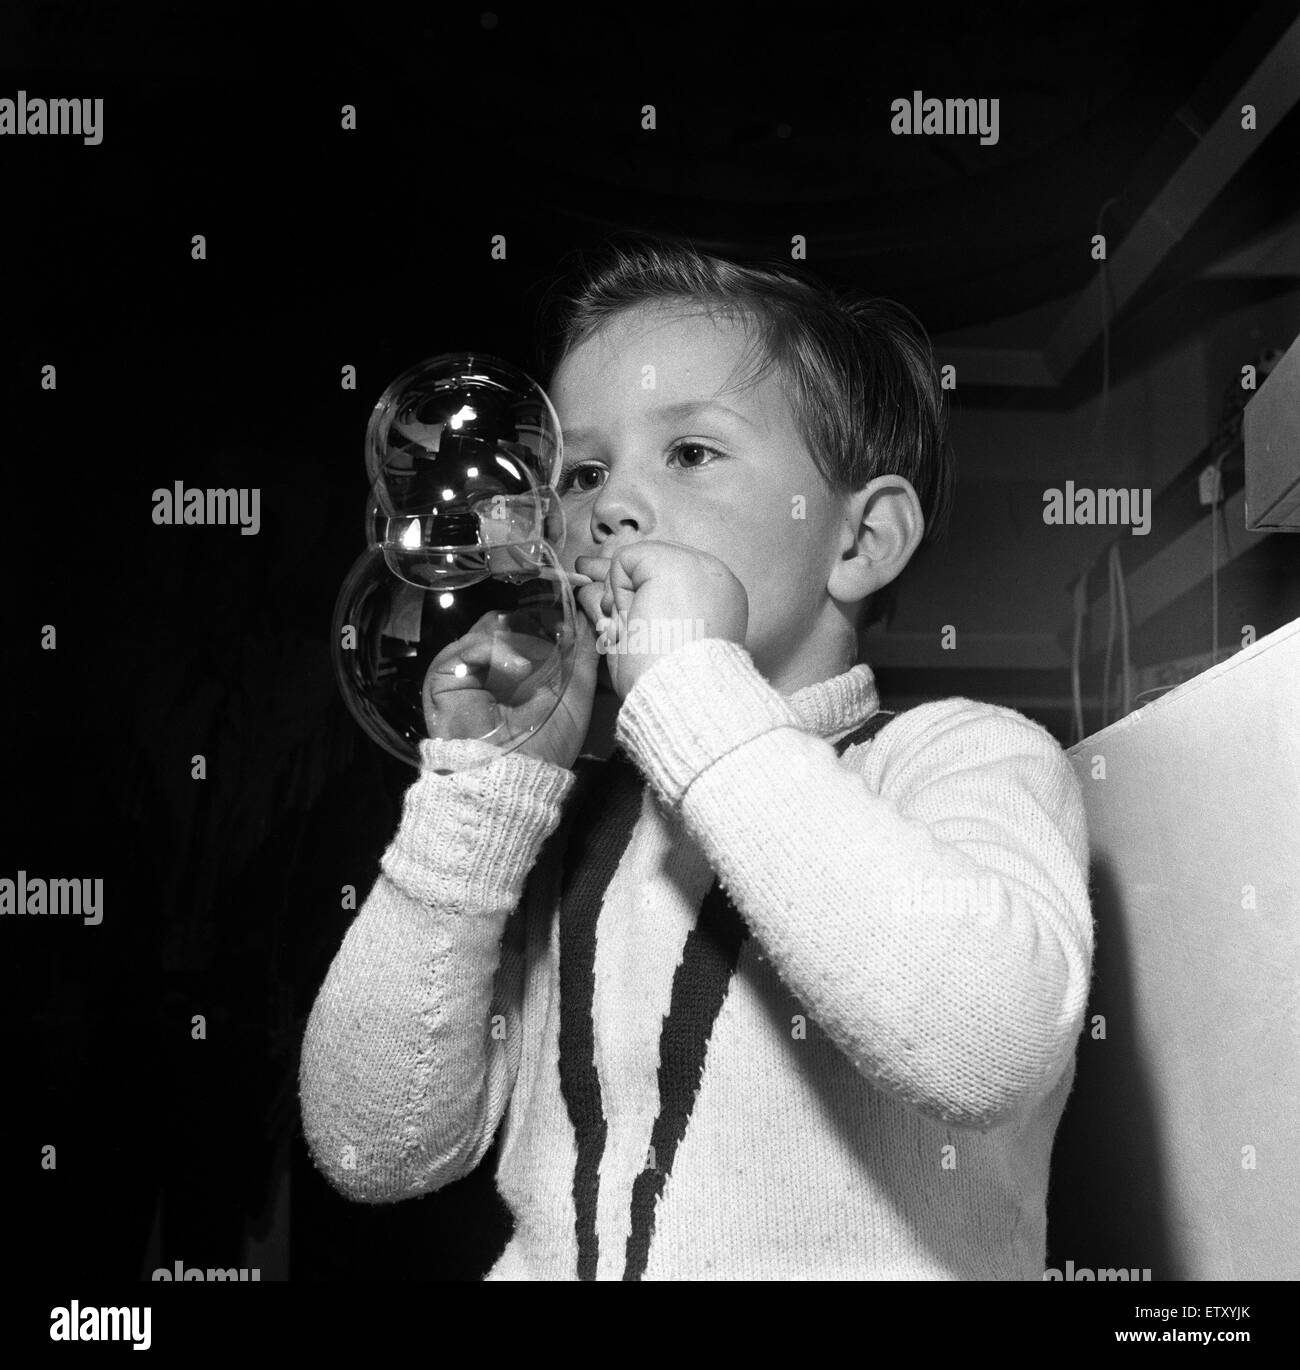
(1273, 88)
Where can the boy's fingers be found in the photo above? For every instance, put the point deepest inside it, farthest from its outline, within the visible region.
(575, 578)
(512, 653)
(589, 598)
(597, 568)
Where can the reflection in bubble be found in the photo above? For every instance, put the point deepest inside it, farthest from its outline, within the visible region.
(389, 631)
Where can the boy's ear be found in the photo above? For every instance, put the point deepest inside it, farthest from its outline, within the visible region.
(883, 528)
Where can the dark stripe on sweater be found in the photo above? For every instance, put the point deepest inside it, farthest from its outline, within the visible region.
(599, 818)
(865, 730)
(700, 985)
(605, 802)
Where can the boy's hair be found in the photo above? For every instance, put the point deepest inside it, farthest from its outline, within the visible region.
(859, 370)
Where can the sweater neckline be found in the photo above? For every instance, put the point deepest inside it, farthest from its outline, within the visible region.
(835, 706)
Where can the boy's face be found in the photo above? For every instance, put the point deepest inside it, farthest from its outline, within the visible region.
(667, 462)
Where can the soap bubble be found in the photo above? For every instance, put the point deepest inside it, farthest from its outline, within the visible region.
(464, 422)
(410, 522)
(465, 644)
(457, 625)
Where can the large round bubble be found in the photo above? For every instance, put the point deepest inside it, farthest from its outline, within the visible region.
(482, 655)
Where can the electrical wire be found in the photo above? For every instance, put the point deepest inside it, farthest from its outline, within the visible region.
(1076, 654)
(1117, 588)
(1107, 312)
(1117, 568)
(1217, 506)
(1110, 644)
(1118, 616)
(1100, 433)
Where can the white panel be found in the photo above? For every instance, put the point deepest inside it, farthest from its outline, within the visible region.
(1198, 814)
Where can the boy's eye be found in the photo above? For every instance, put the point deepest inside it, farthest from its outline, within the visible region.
(570, 475)
(695, 447)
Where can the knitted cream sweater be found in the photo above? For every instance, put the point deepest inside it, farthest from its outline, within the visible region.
(872, 1091)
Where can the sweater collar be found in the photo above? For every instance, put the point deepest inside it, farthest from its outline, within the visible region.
(833, 707)
(828, 708)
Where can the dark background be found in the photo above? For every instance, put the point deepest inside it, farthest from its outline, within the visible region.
(370, 248)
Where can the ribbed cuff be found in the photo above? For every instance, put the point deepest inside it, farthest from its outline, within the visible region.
(691, 708)
(467, 840)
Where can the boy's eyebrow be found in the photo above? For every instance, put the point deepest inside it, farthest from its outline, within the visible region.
(674, 412)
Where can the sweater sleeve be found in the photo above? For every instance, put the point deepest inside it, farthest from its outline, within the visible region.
(936, 926)
(413, 1043)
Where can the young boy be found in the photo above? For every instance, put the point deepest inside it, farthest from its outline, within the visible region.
(750, 1002)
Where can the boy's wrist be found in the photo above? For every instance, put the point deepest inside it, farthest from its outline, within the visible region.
(478, 827)
(447, 756)
(463, 756)
(691, 708)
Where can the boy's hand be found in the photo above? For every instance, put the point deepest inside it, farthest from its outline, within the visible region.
(485, 680)
(657, 596)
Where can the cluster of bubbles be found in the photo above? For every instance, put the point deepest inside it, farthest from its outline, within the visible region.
(457, 622)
